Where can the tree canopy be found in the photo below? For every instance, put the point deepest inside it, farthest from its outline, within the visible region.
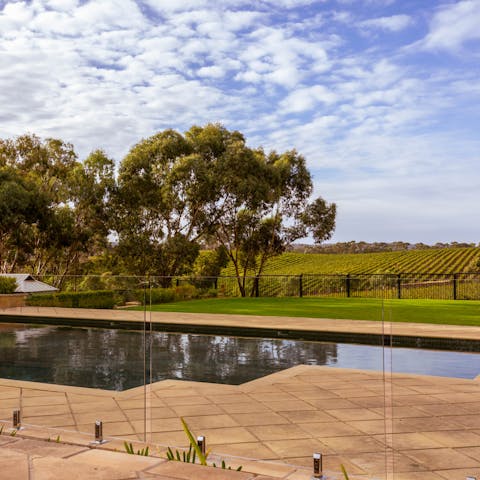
(173, 193)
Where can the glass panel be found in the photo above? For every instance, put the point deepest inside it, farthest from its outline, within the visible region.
(78, 355)
(435, 387)
(275, 389)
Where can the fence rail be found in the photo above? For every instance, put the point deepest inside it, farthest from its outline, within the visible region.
(457, 286)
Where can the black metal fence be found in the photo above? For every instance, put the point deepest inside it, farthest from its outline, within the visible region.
(458, 286)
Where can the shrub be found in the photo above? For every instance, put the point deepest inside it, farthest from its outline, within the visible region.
(7, 285)
(186, 292)
(97, 299)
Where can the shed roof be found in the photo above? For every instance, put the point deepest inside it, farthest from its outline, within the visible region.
(27, 284)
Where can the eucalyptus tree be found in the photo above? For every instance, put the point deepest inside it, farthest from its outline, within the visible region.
(258, 203)
(174, 190)
(70, 202)
(157, 212)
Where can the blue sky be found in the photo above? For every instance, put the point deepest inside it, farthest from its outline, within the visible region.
(381, 96)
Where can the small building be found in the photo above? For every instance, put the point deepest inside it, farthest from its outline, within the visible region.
(27, 284)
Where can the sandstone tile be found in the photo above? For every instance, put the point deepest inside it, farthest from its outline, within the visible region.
(441, 458)
(196, 410)
(408, 441)
(351, 414)
(103, 405)
(119, 460)
(182, 400)
(248, 450)
(272, 397)
(332, 403)
(13, 465)
(116, 415)
(245, 407)
(354, 444)
(210, 421)
(375, 463)
(64, 421)
(158, 424)
(118, 429)
(289, 449)
(452, 438)
(45, 400)
(262, 418)
(49, 468)
(371, 427)
(289, 405)
(216, 436)
(156, 412)
(468, 421)
(330, 429)
(443, 409)
(427, 424)
(188, 471)
(43, 448)
(278, 432)
(229, 398)
(307, 416)
(473, 452)
(44, 410)
(401, 412)
(458, 474)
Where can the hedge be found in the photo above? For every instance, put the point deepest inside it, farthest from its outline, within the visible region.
(96, 299)
(7, 285)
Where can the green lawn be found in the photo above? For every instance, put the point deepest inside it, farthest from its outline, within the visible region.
(453, 312)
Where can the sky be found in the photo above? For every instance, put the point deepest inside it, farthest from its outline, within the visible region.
(382, 97)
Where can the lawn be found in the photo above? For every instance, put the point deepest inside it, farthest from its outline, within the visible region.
(453, 312)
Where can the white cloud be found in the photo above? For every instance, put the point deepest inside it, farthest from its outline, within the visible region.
(307, 98)
(453, 26)
(106, 74)
(394, 23)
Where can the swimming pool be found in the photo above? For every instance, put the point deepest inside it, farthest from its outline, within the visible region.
(114, 359)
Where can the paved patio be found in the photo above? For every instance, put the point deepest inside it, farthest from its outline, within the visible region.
(402, 427)
(416, 426)
(254, 321)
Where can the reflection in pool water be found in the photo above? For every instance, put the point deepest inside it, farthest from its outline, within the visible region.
(114, 359)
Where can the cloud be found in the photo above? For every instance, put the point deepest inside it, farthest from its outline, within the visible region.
(453, 26)
(395, 131)
(394, 23)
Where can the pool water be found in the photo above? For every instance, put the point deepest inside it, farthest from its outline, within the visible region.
(114, 359)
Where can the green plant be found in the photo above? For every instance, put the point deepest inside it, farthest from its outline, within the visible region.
(7, 285)
(193, 452)
(13, 433)
(94, 299)
(224, 466)
(345, 474)
(189, 456)
(144, 452)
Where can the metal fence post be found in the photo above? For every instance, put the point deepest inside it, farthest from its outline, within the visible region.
(300, 285)
(399, 286)
(455, 279)
(256, 286)
(347, 285)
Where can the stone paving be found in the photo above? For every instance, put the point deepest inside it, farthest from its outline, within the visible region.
(380, 426)
(256, 321)
(416, 426)
(27, 459)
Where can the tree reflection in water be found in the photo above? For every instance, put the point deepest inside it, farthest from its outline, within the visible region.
(113, 359)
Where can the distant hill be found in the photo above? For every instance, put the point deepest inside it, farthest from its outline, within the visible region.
(428, 260)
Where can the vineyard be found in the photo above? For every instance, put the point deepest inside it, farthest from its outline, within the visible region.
(435, 273)
(432, 261)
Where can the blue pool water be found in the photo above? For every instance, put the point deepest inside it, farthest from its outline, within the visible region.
(114, 359)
